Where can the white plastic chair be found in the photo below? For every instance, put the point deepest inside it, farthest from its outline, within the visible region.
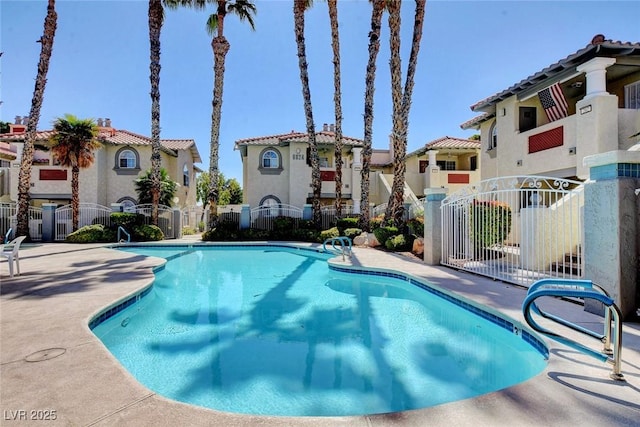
(12, 254)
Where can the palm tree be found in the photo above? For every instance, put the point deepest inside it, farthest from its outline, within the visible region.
(299, 8)
(245, 10)
(337, 96)
(374, 48)
(156, 19)
(73, 144)
(143, 186)
(24, 177)
(401, 104)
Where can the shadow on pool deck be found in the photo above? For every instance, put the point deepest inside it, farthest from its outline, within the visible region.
(53, 367)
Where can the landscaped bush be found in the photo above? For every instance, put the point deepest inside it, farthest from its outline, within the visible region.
(306, 235)
(225, 231)
(344, 223)
(490, 223)
(416, 226)
(330, 233)
(126, 219)
(352, 233)
(147, 233)
(188, 231)
(384, 233)
(399, 243)
(91, 234)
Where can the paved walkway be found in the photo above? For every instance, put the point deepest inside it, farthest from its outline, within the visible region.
(52, 366)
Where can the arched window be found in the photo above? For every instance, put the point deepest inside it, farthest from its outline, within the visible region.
(128, 204)
(273, 203)
(127, 159)
(185, 176)
(270, 160)
(493, 136)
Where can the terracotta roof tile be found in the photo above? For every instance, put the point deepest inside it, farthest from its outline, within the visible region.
(7, 152)
(322, 137)
(447, 142)
(118, 137)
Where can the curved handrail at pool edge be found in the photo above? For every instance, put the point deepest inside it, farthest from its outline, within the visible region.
(345, 246)
(578, 289)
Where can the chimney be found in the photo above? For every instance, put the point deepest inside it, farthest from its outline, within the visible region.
(325, 127)
(107, 122)
(99, 121)
(332, 128)
(25, 120)
(18, 120)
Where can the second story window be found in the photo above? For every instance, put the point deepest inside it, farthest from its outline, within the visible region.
(632, 96)
(127, 159)
(270, 160)
(185, 176)
(493, 136)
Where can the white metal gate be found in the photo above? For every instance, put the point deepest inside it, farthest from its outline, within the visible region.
(88, 214)
(165, 218)
(517, 229)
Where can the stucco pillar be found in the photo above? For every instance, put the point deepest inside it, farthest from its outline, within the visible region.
(596, 72)
(432, 172)
(49, 222)
(433, 225)
(245, 217)
(307, 212)
(177, 223)
(612, 228)
(356, 180)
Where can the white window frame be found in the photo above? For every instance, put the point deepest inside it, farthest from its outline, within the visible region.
(632, 96)
(270, 160)
(130, 158)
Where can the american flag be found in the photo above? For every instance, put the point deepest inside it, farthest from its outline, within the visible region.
(553, 102)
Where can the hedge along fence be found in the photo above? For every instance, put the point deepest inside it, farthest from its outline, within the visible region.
(490, 224)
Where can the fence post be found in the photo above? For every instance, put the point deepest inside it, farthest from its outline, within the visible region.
(177, 223)
(307, 213)
(612, 225)
(48, 222)
(245, 217)
(433, 198)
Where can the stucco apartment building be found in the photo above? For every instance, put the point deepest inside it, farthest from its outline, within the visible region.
(276, 168)
(584, 104)
(124, 156)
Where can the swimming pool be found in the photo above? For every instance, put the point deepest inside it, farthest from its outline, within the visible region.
(275, 330)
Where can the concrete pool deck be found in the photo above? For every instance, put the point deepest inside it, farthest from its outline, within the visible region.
(52, 366)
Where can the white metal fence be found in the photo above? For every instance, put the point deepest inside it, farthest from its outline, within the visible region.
(329, 215)
(165, 218)
(88, 214)
(263, 217)
(516, 229)
(8, 220)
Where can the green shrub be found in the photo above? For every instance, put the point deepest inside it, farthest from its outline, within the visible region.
(147, 233)
(306, 224)
(384, 233)
(255, 234)
(91, 234)
(330, 233)
(225, 231)
(306, 235)
(352, 232)
(284, 223)
(490, 223)
(201, 226)
(344, 223)
(188, 231)
(400, 243)
(416, 226)
(126, 219)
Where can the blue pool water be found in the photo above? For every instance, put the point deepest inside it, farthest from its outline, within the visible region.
(275, 331)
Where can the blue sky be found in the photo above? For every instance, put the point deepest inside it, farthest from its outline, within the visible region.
(470, 50)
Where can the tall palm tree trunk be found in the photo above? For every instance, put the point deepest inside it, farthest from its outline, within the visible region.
(337, 100)
(220, 47)
(395, 206)
(155, 28)
(370, 78)
(24, 177)
(75, 196)
(299, 7)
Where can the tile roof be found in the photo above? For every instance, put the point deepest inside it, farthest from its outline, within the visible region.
(447, 142)
(475, 122)
(606, 48)
(322, 137)
(118, 137)
(7, 152)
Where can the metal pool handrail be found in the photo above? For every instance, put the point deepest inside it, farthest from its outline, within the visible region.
(579, 289)
(344, 249)
(120, 228)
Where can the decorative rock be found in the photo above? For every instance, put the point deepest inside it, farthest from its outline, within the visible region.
(418, 246)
